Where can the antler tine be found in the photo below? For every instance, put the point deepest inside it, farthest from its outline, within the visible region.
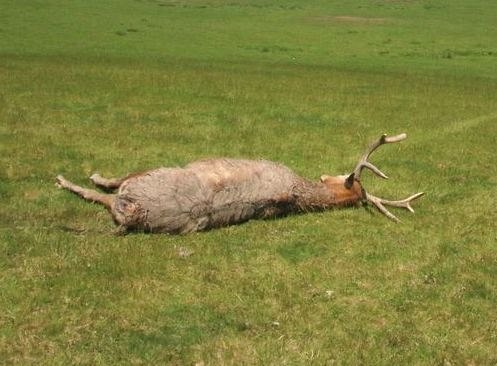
(405, 203)
(364, 163)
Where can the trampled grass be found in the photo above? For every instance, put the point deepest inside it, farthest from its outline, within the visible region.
(121, 86)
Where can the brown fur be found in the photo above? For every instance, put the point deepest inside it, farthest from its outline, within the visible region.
(343, 196)
(214, 193)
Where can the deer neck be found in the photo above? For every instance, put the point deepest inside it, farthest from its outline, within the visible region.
(317, 196)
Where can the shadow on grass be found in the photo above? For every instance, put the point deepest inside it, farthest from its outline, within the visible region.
(298, 251)
(181, 326)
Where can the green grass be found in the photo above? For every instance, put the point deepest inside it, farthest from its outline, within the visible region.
(122, 86)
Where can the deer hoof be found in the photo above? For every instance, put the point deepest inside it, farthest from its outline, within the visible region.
(60, 181)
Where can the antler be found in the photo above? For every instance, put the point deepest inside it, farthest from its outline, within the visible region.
(380, 202)
(364, 163)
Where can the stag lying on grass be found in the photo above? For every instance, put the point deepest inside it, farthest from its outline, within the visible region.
(219, 192)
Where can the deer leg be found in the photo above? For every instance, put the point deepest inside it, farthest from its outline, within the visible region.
(108, 184)
(87, 194)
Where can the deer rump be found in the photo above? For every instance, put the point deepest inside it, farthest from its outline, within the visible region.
(205, 194)
(220, 192)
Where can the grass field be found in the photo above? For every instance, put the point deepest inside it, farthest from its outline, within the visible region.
(122, 86)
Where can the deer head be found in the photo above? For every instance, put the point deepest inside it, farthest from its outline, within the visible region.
(350, 189)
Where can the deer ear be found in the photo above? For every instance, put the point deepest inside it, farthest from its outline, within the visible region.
(349, 181)
(323, 178)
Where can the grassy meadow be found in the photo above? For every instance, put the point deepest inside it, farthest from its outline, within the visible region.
(120, 86)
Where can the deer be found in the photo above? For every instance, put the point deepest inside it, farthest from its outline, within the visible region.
(214, 193)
